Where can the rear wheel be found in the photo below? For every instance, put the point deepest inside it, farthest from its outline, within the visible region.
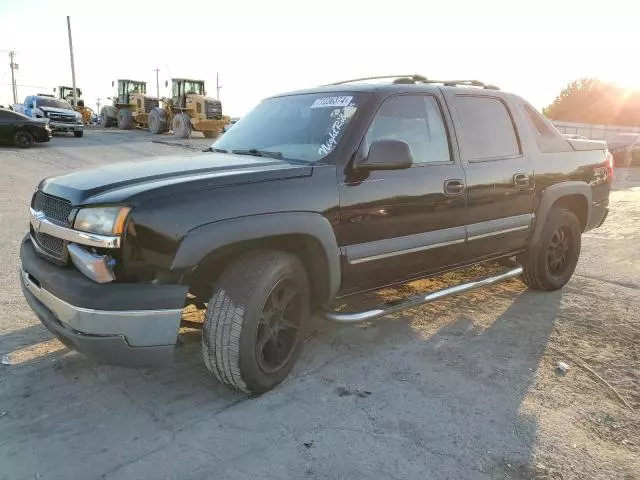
(23, 139)
(125, 119)
(158, 120)
(551, 261)
(254, 324)
(181, 125)
(105, 119)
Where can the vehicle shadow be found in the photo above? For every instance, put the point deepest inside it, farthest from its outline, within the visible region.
(436, 392)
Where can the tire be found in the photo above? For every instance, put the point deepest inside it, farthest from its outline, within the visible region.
(78, 134)
(125, 119)
(210, 134)
(105, 120)
(158, 121)
(181, 125)
(238, 321)
(543, 267)
(23, 139)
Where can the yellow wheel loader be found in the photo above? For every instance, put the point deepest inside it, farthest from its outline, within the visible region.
(188, 109)
(131, 106)
(66, 93)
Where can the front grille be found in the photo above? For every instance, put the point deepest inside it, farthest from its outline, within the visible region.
(213, 109)
(52, 245)
(61, 118)
(54, 208)
(150, 104)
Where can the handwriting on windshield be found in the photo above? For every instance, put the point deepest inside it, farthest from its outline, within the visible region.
(331, 142)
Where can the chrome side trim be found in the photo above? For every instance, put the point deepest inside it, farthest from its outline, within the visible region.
(413, 302)
(42, 225)
(391, 247)
(404, 252)
(499, 226)
(141, 328)
(499, 232)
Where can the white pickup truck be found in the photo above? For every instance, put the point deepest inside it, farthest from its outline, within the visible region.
(61, 115)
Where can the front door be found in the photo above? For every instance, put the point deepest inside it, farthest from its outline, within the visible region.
(500, 176)
(399, 224)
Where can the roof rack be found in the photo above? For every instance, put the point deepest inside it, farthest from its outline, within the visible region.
(417, 78)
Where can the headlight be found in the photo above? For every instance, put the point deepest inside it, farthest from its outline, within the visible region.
(102, 220)
(78, 116)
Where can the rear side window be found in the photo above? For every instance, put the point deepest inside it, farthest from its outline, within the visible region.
(487, 128)
(538, 122)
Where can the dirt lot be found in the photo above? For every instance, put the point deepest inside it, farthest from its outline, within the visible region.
(464, 388)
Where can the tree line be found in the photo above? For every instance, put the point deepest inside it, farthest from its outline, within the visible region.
(589, 100)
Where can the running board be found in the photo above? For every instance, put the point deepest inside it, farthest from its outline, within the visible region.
(412, 302)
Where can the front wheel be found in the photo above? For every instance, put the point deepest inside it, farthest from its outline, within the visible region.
(253, 328)
(181, 125)
(78, 133)
(23, 139)
(125, 119)
(551, 261)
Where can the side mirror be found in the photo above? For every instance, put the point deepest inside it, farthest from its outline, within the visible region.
(387, 155)
(112, 83)
(166, 83)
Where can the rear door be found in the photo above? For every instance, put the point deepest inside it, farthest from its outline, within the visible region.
(7, 119)
(399, 224)
(499, 175)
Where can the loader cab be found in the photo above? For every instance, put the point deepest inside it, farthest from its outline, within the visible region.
(129, 88)
(66, 93)
(181, 87)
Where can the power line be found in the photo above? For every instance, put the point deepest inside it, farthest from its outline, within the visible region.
(27, 86)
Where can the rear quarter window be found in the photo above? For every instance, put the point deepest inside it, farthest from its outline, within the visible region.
(488, 131)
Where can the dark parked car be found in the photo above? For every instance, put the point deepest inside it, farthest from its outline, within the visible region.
(22, 131)
(311, 197)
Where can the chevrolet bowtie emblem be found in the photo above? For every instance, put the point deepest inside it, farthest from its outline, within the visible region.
(38, 217)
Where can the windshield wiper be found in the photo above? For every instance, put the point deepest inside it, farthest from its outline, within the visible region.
(258, 153)
(217, 150)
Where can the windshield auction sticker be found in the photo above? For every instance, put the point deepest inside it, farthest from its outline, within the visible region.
(332, 102)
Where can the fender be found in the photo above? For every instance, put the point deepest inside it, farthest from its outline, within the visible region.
(551, 194)
(205, 239)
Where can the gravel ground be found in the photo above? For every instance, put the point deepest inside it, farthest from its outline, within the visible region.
(463, 388)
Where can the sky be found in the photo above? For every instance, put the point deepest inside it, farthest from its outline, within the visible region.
(260, 48)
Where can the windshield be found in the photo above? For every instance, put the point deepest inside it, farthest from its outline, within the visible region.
(190, 87)
(53, 103)
(302, 127)
(135, 87)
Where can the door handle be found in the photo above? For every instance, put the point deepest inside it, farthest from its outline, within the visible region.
(453, 186)
(521, 180)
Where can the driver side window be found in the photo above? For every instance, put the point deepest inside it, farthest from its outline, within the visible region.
(415, 119)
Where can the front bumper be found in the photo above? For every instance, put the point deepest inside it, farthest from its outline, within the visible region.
(130, 325)
(66, 127)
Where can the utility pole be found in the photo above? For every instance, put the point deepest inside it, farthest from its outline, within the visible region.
(73, 69)
(14, 66)
(218, 86)
(157, 70)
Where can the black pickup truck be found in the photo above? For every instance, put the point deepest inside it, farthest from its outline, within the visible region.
(313, 196)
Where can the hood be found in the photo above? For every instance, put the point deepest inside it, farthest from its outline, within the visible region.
(134, 182)
(57, 110)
